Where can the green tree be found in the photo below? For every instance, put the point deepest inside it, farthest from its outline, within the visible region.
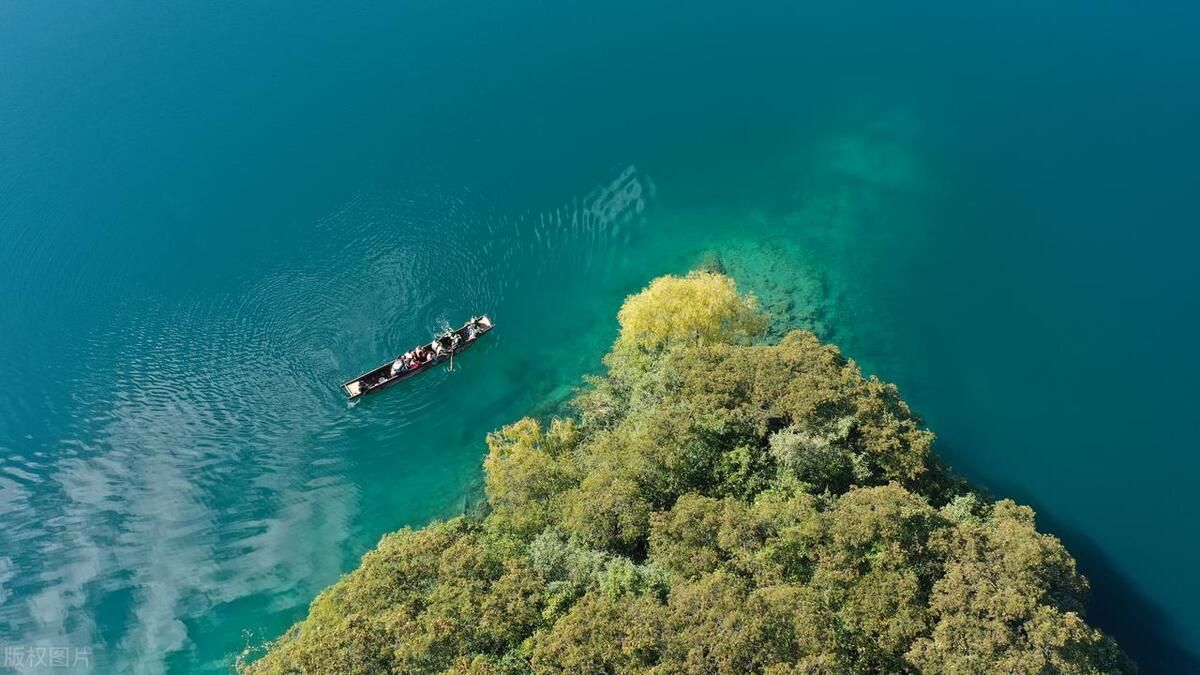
(602, 635)
(1010, 599)
(527, 472)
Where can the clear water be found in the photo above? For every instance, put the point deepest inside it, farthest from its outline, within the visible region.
(210, 215)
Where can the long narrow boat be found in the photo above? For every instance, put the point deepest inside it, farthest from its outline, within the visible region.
(427, 356)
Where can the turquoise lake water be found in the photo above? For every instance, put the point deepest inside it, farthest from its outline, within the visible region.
(211, 215)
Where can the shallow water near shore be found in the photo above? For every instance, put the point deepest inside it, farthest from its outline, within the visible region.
(213, 216)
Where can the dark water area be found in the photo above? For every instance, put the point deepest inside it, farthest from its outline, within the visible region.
(211, 215)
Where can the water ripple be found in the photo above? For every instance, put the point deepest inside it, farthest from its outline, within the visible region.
(198, 451)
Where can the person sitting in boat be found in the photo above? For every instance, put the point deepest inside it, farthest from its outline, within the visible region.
(438, 349)
(399, 366)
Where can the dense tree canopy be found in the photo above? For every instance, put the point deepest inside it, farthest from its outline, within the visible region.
(715, 506)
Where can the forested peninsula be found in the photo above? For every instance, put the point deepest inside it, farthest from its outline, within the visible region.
(713, 504)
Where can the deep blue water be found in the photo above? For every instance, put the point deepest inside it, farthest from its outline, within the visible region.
(212, 214)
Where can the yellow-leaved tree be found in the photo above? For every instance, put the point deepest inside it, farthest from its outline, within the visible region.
(700, 308)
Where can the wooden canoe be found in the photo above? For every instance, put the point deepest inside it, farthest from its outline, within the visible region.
(428, 356)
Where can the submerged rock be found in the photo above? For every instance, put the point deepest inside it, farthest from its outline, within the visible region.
(791, 291)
